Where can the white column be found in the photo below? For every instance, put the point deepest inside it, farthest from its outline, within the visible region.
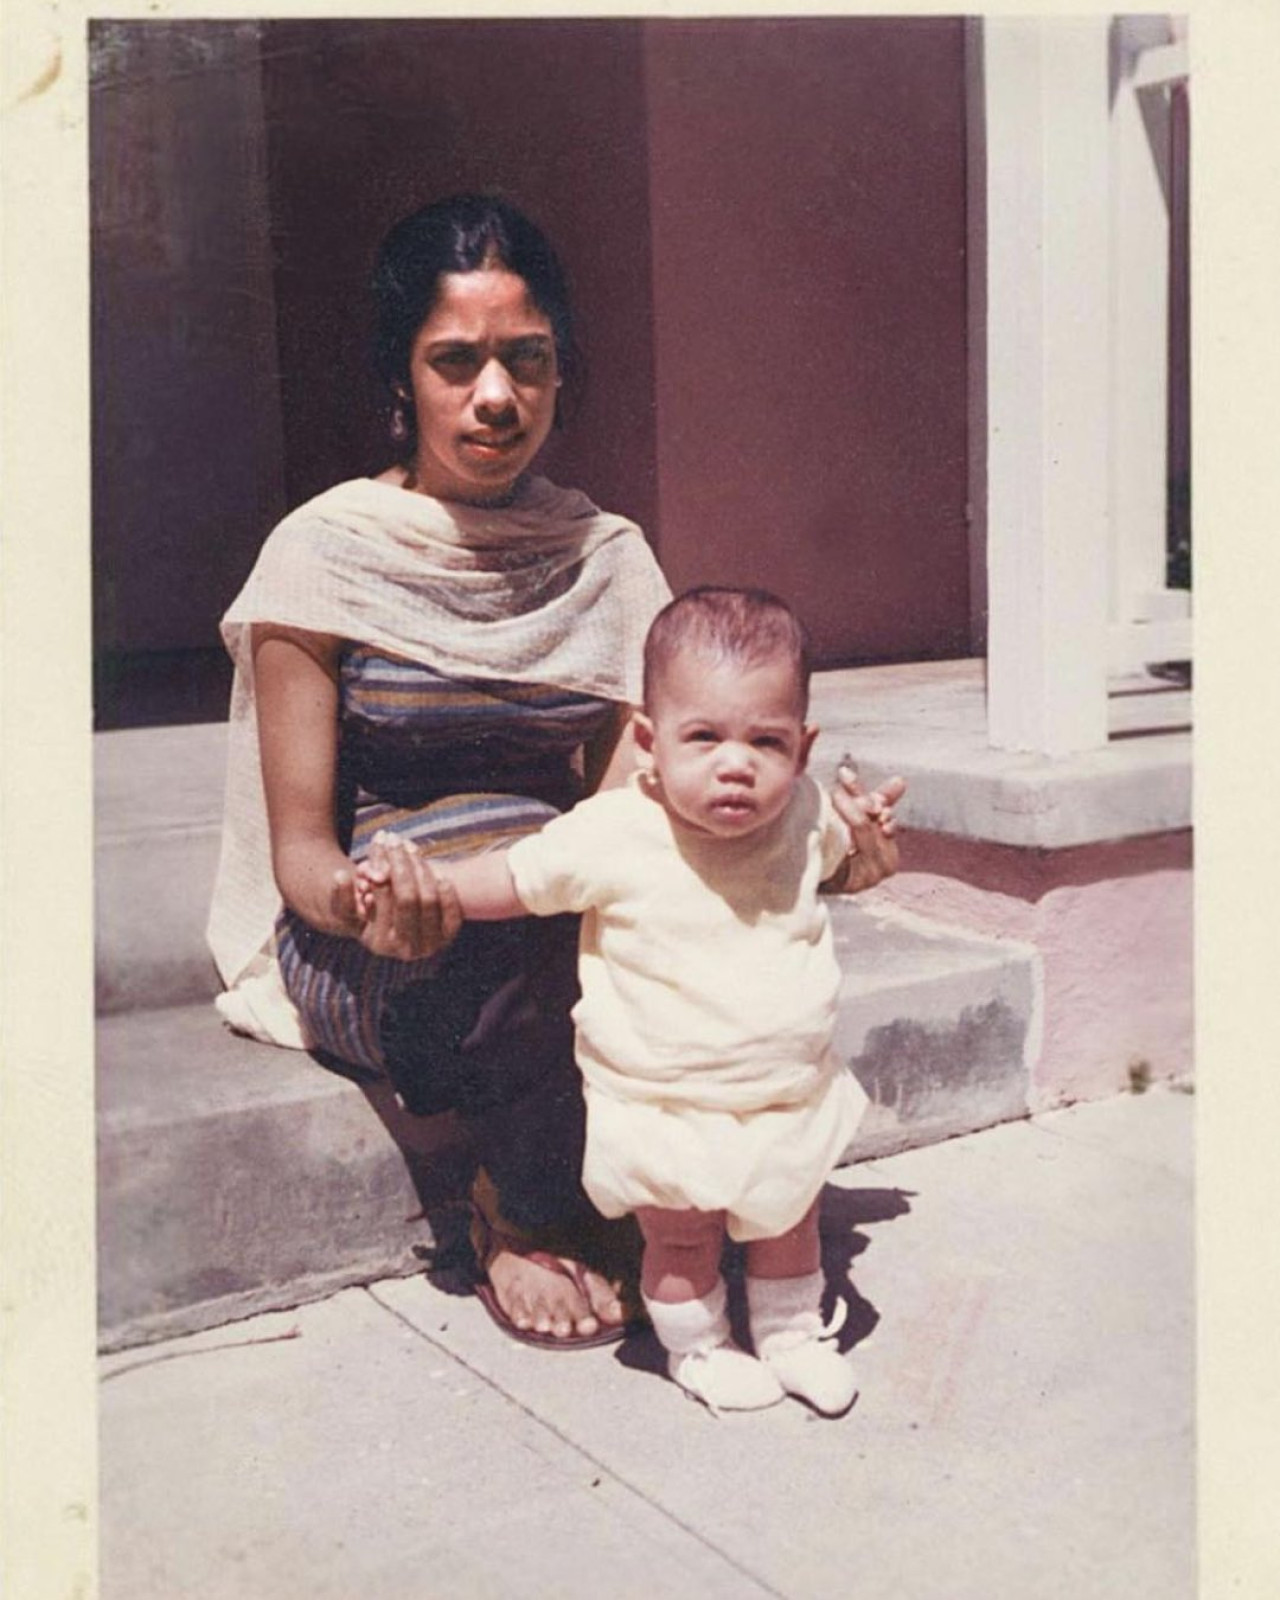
(1048, 381)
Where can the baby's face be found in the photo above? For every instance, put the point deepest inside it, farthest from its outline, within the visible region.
(726, 742)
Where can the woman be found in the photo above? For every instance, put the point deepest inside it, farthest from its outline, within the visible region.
(447, 651)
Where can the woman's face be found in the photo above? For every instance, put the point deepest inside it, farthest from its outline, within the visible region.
(482, 370)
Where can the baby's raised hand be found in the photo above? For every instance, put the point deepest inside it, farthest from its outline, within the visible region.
(873, 851)
(863, 809)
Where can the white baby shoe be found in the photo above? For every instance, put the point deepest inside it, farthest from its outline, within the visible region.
(817, 1373)
(703, 1359)
(725, 1378)
(790, 1339)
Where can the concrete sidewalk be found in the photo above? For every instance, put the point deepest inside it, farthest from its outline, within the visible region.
(1022, 1305)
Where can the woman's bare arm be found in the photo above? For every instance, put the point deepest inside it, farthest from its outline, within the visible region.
(296, 678)
(408, 917)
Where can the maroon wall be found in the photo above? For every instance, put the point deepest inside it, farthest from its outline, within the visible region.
(808, 186)
(763, 222)
(186, 411)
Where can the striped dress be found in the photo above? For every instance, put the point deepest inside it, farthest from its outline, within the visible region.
(458, 767)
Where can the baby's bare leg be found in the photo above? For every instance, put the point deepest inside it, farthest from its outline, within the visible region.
(793, 1254)
(681, 1252)
(784, 1302)
(686, 1299)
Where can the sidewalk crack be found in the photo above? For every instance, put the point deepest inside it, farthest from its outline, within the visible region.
(579, 1450)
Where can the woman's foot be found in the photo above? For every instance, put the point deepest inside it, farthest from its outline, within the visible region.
(553, 1296)
(538, 1289)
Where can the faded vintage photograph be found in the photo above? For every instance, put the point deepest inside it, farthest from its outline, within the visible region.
(642, 742)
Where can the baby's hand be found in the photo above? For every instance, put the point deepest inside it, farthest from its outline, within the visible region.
(873, 853)
(373, 873)
(395, 904)
(859, 808)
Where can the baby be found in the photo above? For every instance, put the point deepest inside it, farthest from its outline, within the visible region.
(715, 1101)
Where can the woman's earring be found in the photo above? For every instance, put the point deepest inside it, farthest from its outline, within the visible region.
(399, 417)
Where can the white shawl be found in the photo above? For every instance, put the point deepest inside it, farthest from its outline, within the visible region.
(547, 590)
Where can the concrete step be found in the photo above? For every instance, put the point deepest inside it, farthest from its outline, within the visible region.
(236, 1178)
(158, 817)
(937, 1024)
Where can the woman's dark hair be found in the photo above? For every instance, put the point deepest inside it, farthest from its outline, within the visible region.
(461, 234)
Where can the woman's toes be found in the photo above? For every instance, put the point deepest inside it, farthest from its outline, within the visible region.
(605, 1304)
(557, 1320)
(540, 1300)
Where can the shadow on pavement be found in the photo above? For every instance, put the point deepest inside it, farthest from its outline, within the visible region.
(844, 1213)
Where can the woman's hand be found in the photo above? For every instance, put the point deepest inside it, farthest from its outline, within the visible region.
(395, 904)
(873, 853)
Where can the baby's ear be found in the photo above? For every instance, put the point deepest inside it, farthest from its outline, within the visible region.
(642, 733)
(807, 735)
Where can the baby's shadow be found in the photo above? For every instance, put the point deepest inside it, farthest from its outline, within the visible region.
(844, 1212)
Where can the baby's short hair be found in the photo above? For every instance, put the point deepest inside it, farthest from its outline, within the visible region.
(747, 626)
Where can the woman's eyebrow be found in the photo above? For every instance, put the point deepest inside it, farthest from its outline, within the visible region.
(518, 341)
(525, 344)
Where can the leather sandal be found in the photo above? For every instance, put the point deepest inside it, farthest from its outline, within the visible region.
(488, 1240)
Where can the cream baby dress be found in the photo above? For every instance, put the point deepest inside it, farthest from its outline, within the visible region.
(709, 990)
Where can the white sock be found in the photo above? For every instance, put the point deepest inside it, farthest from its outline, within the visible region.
(785, 1311)
(787, 1328)
(686, 1325)
(702, 1357)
